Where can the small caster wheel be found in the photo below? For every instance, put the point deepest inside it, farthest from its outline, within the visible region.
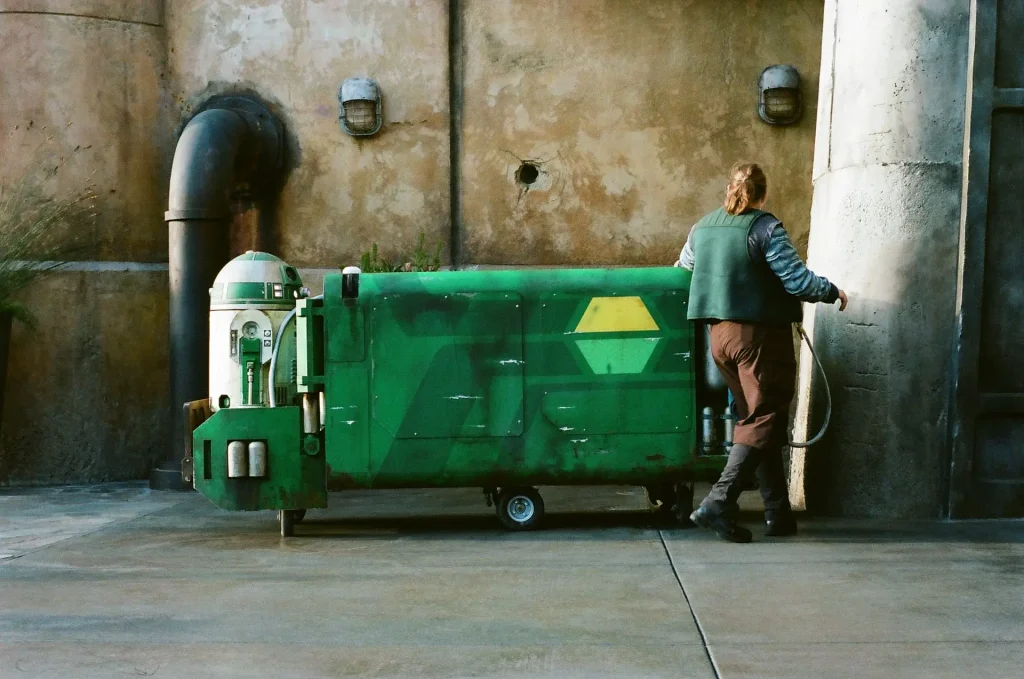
(520, 508)
(288, 519)
(297, 515)
(682, 506)
(660, 497)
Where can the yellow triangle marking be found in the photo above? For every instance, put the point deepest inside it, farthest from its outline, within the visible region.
(616, 314)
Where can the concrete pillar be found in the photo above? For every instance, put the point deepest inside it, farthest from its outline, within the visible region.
(86, 399)
(885, 226)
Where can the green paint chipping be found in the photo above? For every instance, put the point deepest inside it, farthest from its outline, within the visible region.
(618, 355)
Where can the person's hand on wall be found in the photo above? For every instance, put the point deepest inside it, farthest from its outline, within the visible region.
(843, 300)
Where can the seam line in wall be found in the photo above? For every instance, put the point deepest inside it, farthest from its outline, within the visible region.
(96, 265)
(72, 15)
(832, 88)
(903, 163)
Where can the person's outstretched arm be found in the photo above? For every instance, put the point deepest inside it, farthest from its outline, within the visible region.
(797, 279)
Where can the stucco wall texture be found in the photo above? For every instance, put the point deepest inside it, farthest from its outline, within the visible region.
(342, 193)
(632, 111)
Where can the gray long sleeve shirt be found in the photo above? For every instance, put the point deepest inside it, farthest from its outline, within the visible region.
(784, 261)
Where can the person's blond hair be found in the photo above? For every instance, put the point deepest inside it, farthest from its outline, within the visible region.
(747, 185)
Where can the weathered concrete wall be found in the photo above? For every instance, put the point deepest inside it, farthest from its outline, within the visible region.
(885, 226)
(633, 111)
(133, 11)
(86, 395)
(97, 83)
(343, 193)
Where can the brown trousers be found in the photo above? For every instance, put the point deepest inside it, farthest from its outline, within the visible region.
(758, 364)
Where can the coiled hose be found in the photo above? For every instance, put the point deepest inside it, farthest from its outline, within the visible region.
(828, 394)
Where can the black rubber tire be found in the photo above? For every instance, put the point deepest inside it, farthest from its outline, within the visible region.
(660, 497)
(676, 504)
(515, 501)
(682, 506)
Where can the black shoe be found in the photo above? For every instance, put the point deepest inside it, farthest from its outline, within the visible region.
(780, 527)
(726, 529)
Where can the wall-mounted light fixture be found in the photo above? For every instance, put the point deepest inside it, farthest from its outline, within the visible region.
(362, 112)
(779, 101)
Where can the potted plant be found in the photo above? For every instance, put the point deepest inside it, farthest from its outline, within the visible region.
(39, 231)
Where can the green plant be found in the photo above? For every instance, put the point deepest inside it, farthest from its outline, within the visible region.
(40, 228)
(371, 262)
(421, 260)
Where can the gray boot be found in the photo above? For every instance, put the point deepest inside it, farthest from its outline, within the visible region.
(721, 501)
(718, 510)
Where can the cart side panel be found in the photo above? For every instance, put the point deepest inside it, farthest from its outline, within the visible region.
(500, 377)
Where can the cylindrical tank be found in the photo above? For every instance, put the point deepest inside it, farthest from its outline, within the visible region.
(250, 299)
(257, 459)
(238, 460)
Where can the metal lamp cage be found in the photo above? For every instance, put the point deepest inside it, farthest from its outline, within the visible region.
(779, 99)
(362, 110)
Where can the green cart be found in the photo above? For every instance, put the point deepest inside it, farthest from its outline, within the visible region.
(503, 380)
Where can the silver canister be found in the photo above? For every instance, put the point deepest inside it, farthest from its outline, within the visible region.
(238, 460)
(708, 427)
(310, 414)
(729, 424)
(257, 459)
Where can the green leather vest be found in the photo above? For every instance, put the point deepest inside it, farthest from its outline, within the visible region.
(726, 285)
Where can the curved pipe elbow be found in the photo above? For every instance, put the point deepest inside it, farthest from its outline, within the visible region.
(203, 171)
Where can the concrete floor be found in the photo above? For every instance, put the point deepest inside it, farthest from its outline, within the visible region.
(114, 581)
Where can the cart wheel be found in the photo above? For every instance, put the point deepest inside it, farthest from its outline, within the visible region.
(660, 497)
(520, 508)
(682, 506)
(297, 515)
(288, 520)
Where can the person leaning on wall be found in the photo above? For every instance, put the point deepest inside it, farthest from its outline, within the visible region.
(748, 284)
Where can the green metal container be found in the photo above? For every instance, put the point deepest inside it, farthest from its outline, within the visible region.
(490, 379)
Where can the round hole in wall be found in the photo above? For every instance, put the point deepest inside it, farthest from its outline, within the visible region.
(527, 173)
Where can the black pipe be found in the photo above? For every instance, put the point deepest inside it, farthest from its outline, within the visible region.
(233, 145)
(456, 82)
